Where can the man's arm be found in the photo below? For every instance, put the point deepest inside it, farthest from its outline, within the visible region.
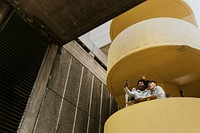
(160, 93)
(145, 99)
(128, 92)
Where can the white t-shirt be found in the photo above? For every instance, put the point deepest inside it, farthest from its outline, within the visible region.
(159, 92)
(136, 94)
(142, 94)
(129, 94)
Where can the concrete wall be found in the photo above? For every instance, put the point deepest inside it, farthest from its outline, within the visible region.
(4, 8)
(75, 99)
(168, 115)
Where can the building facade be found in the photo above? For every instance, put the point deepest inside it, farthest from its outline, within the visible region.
(49, 83)
(47, 87)
(162, 43)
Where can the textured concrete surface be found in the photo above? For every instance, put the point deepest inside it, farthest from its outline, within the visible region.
(74, 104)
(73, 82)
(48, 115)
(96, 99)
(68, 19)
(59, 72)
(66, 121)
(85, 92)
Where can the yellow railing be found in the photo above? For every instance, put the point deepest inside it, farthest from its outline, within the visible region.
(170, 115)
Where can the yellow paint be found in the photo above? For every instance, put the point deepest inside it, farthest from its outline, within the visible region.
(171, 89)
(152, 9)
(163, 49)
(191, 89)
(170, 115)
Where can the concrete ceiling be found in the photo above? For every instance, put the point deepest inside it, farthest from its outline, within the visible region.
(68, 19)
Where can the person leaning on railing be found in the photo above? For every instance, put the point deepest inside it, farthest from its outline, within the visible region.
(142, 93)
(155, 90)
(136, 93)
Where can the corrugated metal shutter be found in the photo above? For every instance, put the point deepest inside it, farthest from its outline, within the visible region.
(22, 50)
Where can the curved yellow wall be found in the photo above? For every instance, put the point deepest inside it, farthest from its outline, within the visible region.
(172, 115)
(152, 9)
(163, 49)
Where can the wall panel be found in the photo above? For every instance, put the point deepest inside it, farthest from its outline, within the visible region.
(66, 118)
(59, 73)
(82, 100)
(73, 82)
(95, 107)
(85, 92)
(105, 104)
(49, 112)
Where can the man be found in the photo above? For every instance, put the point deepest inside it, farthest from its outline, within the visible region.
(130, 93)
(135, 94)
(142, 94)
(156, 90)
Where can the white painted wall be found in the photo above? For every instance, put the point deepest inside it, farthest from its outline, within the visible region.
(195, 6)
(93, 48)
(99, 36)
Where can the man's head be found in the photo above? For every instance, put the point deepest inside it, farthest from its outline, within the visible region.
(141, 84)
(152, 84)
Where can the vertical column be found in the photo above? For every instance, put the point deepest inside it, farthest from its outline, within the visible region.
(34, 104)
(76, 111)
(63, 95)
(90, 104)
(4, 9)
(101, 113)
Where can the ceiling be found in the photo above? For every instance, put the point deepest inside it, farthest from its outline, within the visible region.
(68, 19)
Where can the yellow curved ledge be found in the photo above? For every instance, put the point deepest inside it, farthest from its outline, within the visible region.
(171, 115)
(164, 49)
(152, 9)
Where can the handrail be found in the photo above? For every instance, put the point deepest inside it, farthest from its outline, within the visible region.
(169, 115)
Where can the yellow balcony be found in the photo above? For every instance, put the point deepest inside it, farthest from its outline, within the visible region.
(152, 9)
(170, 115)
(164, 49)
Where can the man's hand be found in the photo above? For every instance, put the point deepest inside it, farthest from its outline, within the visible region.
(145, 99)
(131, 103)
(134, 89)
(138, 100)
(135, 101)
(143, 77)
(126, 84)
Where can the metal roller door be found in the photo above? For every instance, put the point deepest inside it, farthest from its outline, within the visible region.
(22, 50)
